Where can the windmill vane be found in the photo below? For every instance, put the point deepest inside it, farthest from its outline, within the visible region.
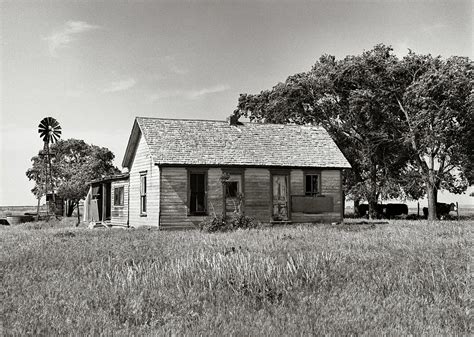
(49, 130)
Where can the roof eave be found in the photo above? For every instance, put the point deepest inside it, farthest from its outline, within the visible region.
(320, 167)
(132, 145)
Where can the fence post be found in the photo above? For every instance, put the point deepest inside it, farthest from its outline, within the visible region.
(418, 212)
(457, 209)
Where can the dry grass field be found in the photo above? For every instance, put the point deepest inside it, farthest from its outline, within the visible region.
(398, 278)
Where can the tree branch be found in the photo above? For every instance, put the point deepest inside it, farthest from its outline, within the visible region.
(420, 162)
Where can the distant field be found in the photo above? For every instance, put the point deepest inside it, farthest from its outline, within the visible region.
(401, 278)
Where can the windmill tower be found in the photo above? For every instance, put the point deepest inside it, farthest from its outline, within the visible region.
(50, 131)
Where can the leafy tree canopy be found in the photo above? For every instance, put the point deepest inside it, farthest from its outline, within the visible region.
(73, 165)
(386, 115)
(438, 101)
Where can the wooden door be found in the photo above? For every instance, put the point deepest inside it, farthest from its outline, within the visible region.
(280, 197)
(108, 201)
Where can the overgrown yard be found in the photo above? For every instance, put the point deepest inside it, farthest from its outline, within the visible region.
(397, 278)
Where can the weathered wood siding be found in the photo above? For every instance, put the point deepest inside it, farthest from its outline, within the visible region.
(143, 162)
(330, 186)
(257, 196)
(257, 189)
(119, 214)
(174, 197)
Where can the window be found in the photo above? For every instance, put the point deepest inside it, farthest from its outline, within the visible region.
(197, 193)
(232, 189)
(118, 196)
(143, 193)
(312, 184)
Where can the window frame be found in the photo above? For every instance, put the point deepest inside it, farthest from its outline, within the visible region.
(121, 201)
(312, 193)
(143, 193)
(206, 189)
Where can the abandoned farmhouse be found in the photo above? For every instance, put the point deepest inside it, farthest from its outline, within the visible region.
(174, 170)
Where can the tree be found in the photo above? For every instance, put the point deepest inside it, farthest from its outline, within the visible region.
(436, 97)
(349, 98)
(37, 173)
(74, 164)
(406, 126)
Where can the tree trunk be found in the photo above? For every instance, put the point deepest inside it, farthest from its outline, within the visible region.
(372, 198)
(356, 207)
(432, 194)
(372, 208)
(38, 209)
(70, 208)
(78, 215)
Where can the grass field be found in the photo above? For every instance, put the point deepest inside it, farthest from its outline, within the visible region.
(397, 278)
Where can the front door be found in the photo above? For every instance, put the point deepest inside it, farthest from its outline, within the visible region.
(108, 200)
(280, 197)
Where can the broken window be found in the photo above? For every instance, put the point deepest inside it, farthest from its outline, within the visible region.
(312, 184)
(118, 196)
(232, 189)
(143, 193)
(197, 193)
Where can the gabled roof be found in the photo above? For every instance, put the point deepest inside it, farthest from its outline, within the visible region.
(205, 142)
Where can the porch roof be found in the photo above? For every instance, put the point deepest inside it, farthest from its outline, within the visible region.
(121, 176)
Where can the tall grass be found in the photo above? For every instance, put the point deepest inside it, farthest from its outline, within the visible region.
(400, 278)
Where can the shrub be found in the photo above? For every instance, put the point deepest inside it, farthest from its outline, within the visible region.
(213, 223)
(216, 223)
(240, 220)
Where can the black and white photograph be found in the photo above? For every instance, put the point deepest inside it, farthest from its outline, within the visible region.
(236, 167)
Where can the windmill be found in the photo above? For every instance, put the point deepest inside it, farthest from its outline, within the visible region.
(50, 131)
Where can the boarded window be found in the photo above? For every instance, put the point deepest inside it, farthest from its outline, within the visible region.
(143, 193)
(197, 193)
(312, 184)
(118, 196)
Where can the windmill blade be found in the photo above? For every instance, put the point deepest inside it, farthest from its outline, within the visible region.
(54, 138)
(43, 126)
(53, 122)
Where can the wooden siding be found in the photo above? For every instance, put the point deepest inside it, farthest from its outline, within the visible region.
(257, 196)
(330, 186)
(143, 162)
(119, 214)
(174, 195)
(257, 189)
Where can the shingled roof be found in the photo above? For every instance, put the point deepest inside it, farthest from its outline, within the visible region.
(211, 143)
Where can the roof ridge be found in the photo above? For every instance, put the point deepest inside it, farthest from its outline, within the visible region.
(183, 119)
(222, 121)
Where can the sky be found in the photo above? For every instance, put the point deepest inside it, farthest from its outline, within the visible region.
(96, 65)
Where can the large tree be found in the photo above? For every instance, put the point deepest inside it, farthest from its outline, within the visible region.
(391, 118)
(73, 165)
(437, 100)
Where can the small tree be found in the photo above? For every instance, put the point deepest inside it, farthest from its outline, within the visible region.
(74, 164)
(38, 175)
